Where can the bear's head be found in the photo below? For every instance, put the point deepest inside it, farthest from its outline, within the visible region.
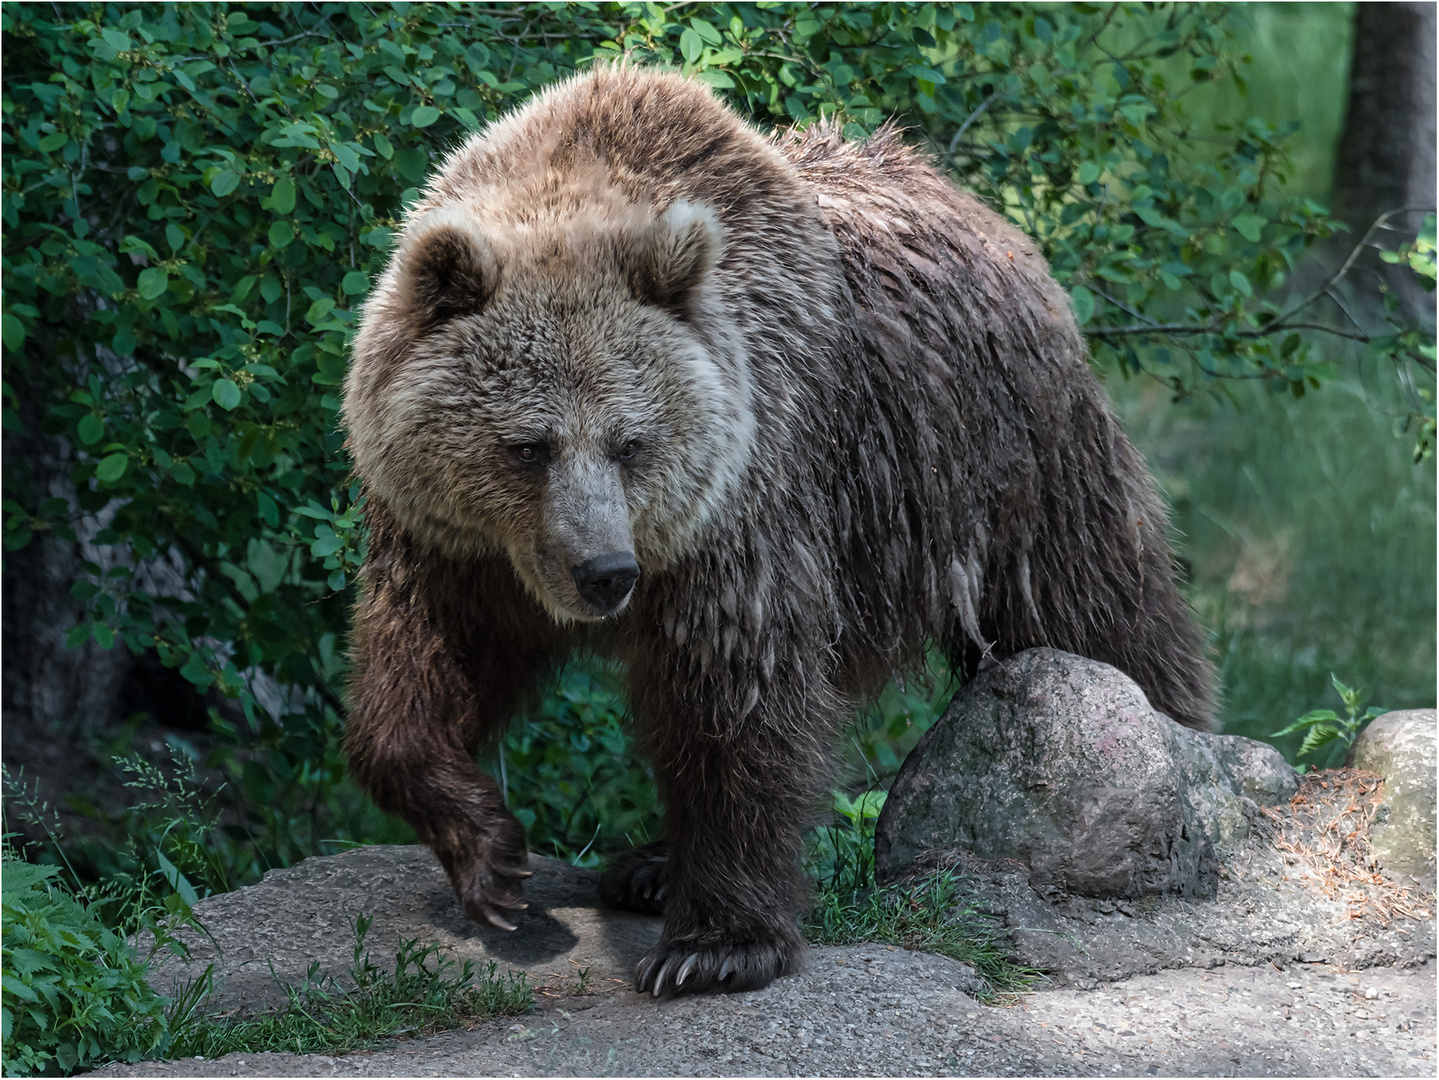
(566, 391)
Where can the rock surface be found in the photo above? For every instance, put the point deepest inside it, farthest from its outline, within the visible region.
(1060, 763)
(1400, 746)
(1222, 1009)
(307, 914)
(872, 1010)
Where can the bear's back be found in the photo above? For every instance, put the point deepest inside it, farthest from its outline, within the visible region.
(619, 131)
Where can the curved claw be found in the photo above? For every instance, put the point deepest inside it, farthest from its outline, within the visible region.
(513, 872)
(642, 976)
(660, 989)
(496, 919)
(686, 969)
(726, 969)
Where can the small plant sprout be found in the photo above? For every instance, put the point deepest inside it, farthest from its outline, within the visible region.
(1323, 727)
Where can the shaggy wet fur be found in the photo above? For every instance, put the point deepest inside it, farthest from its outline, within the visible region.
(834, 407)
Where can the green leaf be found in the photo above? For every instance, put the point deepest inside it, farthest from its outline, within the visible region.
(177, 880)
(716, 78)
(224, 182)
(1088, 173)
(280, 235)
(111, 468)
(90, 429)
(318, 310)
(1309, 719)
(424, 116)
(355, 283)
(282, 196)
(174, 236)
(1082, 300)
(326, 545)
(706, 31)
(691, 46)
(925, 74)
(1240, 282)
(268, 509)
(225, 394)
(1318, 736)
(12, 332)
(153, 282)
(1249, 226)
(116, 40)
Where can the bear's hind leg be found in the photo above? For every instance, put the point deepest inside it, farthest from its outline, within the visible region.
(638, 880)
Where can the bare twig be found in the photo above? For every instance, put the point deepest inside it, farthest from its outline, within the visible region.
(972, 117)
(1379, 222)
(1187, 329)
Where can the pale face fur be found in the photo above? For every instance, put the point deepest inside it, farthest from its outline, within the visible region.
(558, 392)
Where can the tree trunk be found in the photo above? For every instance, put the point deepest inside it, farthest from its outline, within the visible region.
(1386, 153)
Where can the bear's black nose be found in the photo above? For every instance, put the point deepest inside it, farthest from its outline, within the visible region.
(606, 580)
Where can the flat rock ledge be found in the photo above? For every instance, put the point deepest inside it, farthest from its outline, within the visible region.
(307, 914)
(1258, 937)
(861, 1010)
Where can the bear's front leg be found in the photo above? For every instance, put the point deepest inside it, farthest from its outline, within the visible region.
(439, 664)
(739, 793)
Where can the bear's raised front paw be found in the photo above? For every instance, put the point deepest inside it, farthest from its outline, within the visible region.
(690, 967)
(490, 883)
(638, 880)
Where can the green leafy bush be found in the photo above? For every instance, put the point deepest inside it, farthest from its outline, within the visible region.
(196, 199)
(75, 994)
(571, 775)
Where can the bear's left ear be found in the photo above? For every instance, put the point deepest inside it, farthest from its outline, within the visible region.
(668, 260)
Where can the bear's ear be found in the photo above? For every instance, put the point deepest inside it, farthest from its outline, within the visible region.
(447, 269)
(668, 260)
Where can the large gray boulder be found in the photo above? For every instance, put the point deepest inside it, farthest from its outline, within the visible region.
(1060, 763)
(1400, 746)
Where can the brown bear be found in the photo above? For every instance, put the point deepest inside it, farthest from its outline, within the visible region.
(758, 417)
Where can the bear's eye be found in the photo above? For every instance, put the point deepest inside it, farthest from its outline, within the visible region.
(629, 450)
(528, 453)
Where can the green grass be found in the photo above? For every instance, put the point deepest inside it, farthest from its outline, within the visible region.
(423, 993)
(929, 914)
(1310, 533)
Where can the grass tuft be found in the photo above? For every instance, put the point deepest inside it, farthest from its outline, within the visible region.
(422, 994)
(925, 914)
(928, 914)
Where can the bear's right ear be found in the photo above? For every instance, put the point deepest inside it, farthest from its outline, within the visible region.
(447, 268)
